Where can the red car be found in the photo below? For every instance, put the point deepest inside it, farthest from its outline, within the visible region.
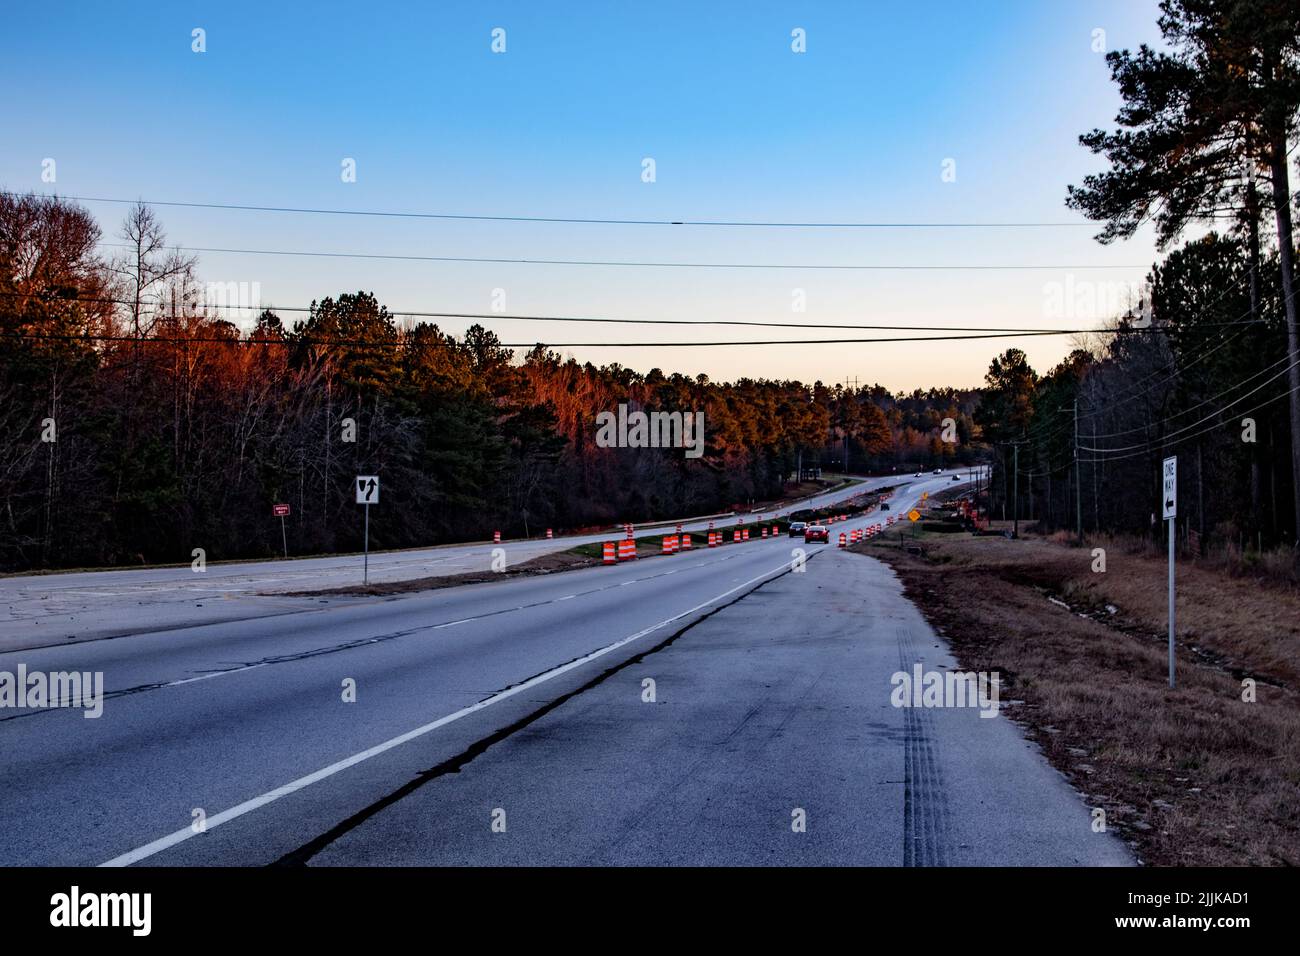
(817, 532)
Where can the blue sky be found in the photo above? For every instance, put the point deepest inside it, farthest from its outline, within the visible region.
(740, 127)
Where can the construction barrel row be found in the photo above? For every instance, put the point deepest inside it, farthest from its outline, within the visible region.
(615, 551)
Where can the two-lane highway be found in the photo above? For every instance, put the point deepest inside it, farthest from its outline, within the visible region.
(292, 735)
(39, 610)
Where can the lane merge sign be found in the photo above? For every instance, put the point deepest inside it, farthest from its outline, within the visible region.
(367, 494)
(367, 489)
(914, 515)
(1170, 496)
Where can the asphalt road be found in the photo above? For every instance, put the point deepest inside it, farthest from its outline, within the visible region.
(510, 722)
(39, 610)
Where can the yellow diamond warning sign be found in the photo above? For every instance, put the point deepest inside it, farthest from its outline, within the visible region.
(914, 515)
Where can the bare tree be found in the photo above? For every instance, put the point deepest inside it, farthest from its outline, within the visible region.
(147, 268)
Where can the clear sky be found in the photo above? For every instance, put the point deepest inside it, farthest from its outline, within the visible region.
(740, 127)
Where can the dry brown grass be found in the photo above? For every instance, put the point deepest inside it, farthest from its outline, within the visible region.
(1193, 776)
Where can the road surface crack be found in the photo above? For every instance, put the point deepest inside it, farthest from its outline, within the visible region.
(304, 854)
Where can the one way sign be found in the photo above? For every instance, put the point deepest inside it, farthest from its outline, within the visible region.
(367, 489)
(1170, 497)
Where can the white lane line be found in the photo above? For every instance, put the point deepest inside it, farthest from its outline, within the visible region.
(212, 674)
(436, 627)
(248, 806)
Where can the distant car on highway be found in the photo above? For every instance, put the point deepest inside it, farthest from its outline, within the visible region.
(797, 527)
(817, 532)
(884, 506)
(956, 477)
(919, 475)
(938, 471)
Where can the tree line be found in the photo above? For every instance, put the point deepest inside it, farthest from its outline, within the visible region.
(1208, 367)
(1192, 375)
(137, 422)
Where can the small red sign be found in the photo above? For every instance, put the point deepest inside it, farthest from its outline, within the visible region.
(280, 511)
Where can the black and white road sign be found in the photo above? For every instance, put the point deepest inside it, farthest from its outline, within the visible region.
(367, 489)
(1170, 496)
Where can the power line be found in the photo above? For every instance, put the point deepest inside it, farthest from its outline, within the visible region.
(100, 337)
(1215, 414)
(1167, 420)
(493, 316)
(1137, 391)
(1192, 408)
(1173, 366)
(1164, 440)
(1163, 443)
(577, 220)
(1176, 372)
(639, 264)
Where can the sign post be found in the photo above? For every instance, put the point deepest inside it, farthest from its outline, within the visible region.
(1169, 500)
(367, 494)
(280, 511)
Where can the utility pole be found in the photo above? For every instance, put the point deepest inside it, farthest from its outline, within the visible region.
(1015, 494)
(1078, 473)
(1003, 462)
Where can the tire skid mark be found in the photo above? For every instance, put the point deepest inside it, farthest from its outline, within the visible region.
(927, 835)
